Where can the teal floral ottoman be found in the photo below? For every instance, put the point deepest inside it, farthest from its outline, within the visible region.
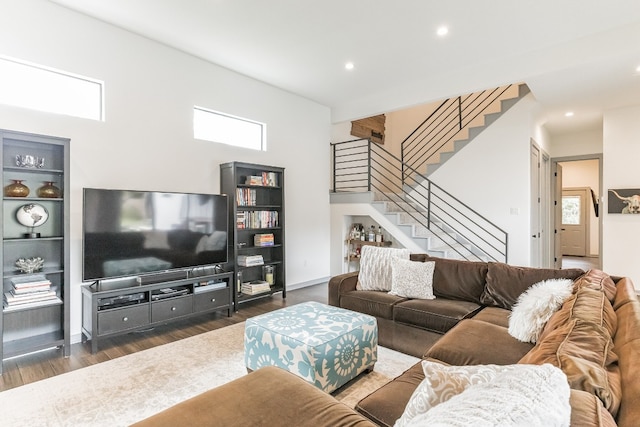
(325, 345)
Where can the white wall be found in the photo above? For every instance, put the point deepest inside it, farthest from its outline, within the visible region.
(621, 150)
(576, 143)
(496, 176)
(147, 142)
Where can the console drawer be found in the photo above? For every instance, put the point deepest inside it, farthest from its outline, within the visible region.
(170, 308)
(210, 300)
(121, 319)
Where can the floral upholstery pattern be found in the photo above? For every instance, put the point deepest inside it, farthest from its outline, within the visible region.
(327, 346)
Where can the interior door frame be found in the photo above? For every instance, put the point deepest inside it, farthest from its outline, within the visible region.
(541, 195)
(556, 226)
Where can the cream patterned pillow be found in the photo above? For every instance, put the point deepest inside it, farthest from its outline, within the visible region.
(375, 267)
(442, 382)
(530, 395)
(535, 306)
(412, 279)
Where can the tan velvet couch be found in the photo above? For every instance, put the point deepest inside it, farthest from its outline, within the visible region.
(594, 338)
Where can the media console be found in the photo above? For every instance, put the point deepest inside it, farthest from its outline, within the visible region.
(116, 307)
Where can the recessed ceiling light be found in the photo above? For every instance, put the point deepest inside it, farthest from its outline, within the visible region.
(568, 114)
(442, 31)
(349, 66)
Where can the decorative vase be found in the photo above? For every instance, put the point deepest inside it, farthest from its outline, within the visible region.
(16, 189)
(48, 190)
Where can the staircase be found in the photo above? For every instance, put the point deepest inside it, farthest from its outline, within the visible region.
(401, 195)
(454, 124)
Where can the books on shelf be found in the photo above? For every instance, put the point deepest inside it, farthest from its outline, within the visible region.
(257, 219)
(250, 260)
(246, 196)
(30, 291)
(265, 239)
(255, 287)
(266, 179)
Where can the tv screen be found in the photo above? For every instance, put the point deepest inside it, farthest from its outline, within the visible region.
(132, 233)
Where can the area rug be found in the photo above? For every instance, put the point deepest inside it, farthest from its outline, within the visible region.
(130, 388)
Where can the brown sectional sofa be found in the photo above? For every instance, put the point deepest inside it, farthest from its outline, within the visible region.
(594, 338)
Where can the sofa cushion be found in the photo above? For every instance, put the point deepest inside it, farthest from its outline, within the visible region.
(412, 279)
(535, 306)
(599, 281)
(495, 315)
(584, 352)
(375, 303)
(457, 279)
(587, 410)
(587, 305)
(505, 282)
(474, 342)
(437, 315)
(375, 267)
(385, 405)
(532, 395)
(249, 401)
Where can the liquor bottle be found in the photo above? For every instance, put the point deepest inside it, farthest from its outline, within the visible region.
(372, 234)
(363, 235)
(379, 238)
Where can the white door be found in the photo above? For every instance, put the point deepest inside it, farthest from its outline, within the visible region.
(574, 222)
(536, 246)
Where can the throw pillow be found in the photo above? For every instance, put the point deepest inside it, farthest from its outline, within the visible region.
(535, 306)
(506, 282)
(412, 279)
(442, 382)
(375, 267)
(531, 395)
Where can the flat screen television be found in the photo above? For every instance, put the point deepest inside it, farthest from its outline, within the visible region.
(133, 233)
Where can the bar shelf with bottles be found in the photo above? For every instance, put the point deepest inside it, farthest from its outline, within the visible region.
(360, 236)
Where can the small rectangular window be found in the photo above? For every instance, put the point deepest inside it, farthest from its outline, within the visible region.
(227, 129)
(44, 89)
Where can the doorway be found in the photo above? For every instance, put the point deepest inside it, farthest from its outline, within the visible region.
(579, 193)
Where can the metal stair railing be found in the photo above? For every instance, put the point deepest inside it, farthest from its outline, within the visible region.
(445, 124)
(362, 165)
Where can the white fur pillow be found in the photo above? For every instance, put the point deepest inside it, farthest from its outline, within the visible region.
(375, 267)
(412, 279)
(529, 395)
(535, 306)
(442, 382)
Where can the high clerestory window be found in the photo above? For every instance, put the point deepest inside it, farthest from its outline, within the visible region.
(41, 88)
(227, 129)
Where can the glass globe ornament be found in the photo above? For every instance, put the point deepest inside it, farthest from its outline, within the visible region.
(32, 215)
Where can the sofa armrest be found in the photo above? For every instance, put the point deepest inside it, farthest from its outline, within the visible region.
(341, 284)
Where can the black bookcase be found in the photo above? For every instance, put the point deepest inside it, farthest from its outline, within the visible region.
(256, 224)
(35, 313)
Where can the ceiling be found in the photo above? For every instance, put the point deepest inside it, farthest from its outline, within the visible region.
(575, 55)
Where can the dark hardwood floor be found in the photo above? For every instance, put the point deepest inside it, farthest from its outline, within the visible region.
(37, 366)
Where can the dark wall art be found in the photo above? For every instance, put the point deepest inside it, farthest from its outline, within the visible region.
(624, 201)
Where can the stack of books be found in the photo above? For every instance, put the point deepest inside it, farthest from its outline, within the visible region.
(267, 179)
(30, 291)
(255, 287)
(250, 260)
(263, 239)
